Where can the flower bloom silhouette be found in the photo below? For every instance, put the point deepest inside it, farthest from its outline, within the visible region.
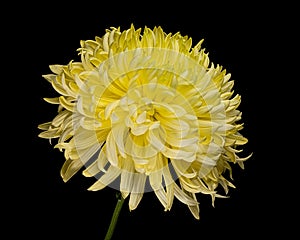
(145, 111)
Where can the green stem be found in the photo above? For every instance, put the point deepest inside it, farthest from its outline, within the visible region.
(114, 218)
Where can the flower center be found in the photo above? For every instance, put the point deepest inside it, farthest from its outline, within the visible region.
(151, 122)
(140, 116)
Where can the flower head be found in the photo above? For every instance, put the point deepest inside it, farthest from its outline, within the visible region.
(144, 105)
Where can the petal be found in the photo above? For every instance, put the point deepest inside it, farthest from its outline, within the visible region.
(141, 118)
(111, 150)
(179, 154)
(156, 138)
(66, 134)
(194, 186)
(109, 108)
(49, 77)
(134, 200)
(86, 154)
(127, 180)
(183, 168)
(137, 190)
(44, 126)
(52, 100)
(181, 142)
(90, 123)
(195, 209)
(155, 179)
(138, 130)
(169, 183)
(173, 124)
(120, 133)
(183, 197)
(96, 166)
(56, 68)
(69, 168)
(85, 138)
(127, 175)
(52, 133)
(91, 170)
(170, 195)
(162, 196)
(139, 148)
(102, 159)
(139, 183)
(60, 118)
(111, 174)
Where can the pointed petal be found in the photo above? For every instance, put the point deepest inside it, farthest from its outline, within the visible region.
(54, 100)
(157, 139)
(155, 179)
(69, 168)
(179, 154)
(162, 197)
(195, 211)
(170, 195)
(134, 200)
(183, 168)
(120, 132)
(111, 150)
(183, 197)
(85, 139)
(44, 126)
(102, 159)
(170, 186)
(111, 174)
(127, 176)
(137, 190)
(97, 165)
(139, 148)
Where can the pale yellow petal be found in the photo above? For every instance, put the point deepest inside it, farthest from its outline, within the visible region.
(183, 197)
(156, 138)
(162, 197)
(137, 190)
(139, 148)
(195, 210)
(111, 174)
(69, 168)
(52, 100)
(91, 170)
(127, 176)
(120, 134)
(111, 150)
(85, 139)
(179, 154)
(44, 126)
(134, 200)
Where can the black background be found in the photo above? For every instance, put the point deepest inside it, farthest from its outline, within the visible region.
(244, 38)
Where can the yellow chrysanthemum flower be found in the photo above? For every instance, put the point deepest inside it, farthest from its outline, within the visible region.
(147, 106)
